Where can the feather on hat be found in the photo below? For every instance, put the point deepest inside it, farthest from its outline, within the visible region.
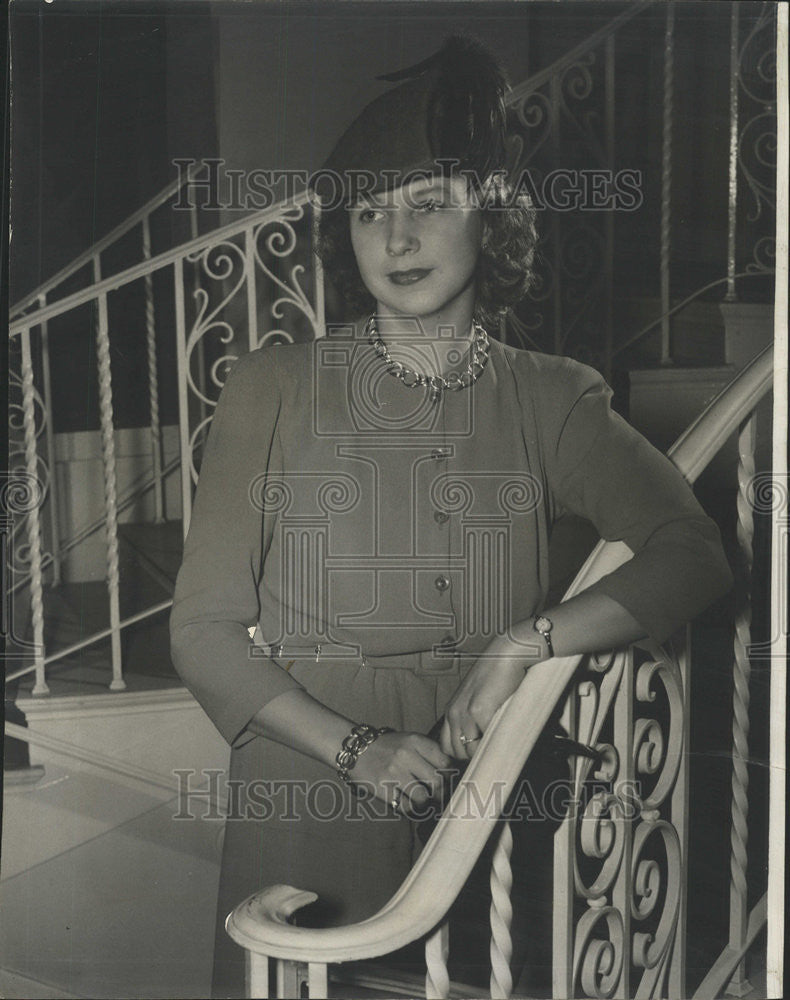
(449, 107)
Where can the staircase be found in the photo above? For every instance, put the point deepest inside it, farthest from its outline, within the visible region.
(150, 555)
(90, 828)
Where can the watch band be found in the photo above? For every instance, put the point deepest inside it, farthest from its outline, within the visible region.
(543, 626)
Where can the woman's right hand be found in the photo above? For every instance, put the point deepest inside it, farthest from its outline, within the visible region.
(405, 763)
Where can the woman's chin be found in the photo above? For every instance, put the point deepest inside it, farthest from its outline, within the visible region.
(426, 308)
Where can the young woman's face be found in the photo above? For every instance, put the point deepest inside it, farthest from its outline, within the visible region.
(417, 248)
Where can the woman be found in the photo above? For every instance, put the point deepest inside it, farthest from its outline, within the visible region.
(388, 536)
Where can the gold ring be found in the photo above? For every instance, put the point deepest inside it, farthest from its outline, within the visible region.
(468, 739)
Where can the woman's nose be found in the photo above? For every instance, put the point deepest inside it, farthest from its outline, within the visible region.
(401, 237)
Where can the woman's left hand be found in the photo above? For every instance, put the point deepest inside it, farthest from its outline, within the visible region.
(489, 683)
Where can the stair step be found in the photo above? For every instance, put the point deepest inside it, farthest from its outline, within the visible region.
(75, 611)
(696, 332)
(158, 548)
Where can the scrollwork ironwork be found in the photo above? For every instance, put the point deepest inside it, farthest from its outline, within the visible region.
(625, 856)
(598, 962)
(280, 242)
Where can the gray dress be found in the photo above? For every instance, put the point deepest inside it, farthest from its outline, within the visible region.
(379, 541)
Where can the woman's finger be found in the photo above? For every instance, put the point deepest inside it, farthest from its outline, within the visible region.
(461, 735)
(470, 742)
(432, 752)
(445, 741)
(426, 775)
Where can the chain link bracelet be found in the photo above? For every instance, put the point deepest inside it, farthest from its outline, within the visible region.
(354, 745)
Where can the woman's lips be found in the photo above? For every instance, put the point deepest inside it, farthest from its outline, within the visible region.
(409, 277)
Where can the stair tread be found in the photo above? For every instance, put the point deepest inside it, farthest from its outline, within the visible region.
(160, 545)
(74, 611)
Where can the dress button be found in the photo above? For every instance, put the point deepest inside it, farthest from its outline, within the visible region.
(440, 516)
(447, 640)
(441, 583)
(438, 454)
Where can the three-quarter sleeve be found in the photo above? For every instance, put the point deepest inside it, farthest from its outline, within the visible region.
(598, 466)
(216, 597)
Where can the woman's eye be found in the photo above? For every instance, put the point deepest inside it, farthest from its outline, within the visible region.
(429, 206)
(370, 215)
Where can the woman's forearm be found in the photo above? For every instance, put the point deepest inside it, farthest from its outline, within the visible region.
(402, 769)
(587, 623)
(297, 720)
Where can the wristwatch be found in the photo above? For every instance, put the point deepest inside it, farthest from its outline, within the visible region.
(544, 625)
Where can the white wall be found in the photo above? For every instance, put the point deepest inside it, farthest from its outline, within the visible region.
(79, 490)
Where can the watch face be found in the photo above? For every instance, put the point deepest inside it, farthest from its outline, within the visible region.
(543, 624)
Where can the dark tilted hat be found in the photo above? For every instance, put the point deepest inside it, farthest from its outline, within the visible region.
(450, 107)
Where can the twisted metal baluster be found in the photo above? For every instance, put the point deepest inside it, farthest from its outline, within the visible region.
(110, 482)
(153, 380)
(666, 178)
(252, 288)
(739, 834)
(437, 978)
(501, 916)
(49, 437)
(200, 347)
(33, 524)
(183, 397)
(318, 273)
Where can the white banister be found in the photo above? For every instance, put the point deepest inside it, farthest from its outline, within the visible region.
(318, 275)
(153, 379)
(317, 980)
(256, 974)
(32, 522)
(183, 396)
(739, 833)
(110, 481)
(251, 289)
(437, 975)
(537, 80)
(501, 916)
(49, 437)
(107, 241)
(193, 248)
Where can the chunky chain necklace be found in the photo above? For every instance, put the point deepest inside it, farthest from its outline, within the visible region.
(476, 362)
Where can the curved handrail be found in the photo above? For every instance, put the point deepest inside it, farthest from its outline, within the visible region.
(532, 83)
(156, 263)
(260, 922)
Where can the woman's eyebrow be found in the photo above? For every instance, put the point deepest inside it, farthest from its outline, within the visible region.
(382, 201)
(437, 187)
